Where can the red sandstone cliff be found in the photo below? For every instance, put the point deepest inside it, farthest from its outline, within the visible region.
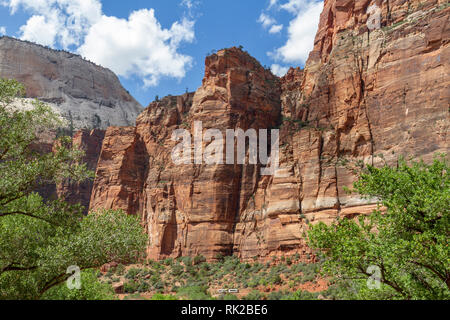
(363, 92)
(90, 141)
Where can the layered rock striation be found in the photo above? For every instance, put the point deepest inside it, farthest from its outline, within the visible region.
(374, 87)
(87, 95)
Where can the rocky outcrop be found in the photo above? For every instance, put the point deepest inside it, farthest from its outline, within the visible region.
(189, 209)
(90, 142)
(369, 88)
(87, 95)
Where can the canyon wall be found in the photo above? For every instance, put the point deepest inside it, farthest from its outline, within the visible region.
(90, 141)
(375, 87)
(87, 95)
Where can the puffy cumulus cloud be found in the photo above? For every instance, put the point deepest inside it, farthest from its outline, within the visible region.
(2, 31)
(301, 31)
(57, 21)
(279, 70)
(137, 46)
(40, 29)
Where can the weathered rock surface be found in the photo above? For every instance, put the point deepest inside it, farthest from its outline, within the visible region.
(363, 92)
(80, 192)
(87, 95)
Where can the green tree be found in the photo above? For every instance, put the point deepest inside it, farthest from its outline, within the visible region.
(40, 239)
(91, 289)
(404, 249)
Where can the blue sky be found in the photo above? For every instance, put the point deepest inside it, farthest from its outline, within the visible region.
(158, 47)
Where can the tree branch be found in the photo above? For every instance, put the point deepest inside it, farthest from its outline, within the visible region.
(4, 214)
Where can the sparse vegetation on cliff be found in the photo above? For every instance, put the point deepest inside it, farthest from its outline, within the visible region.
(193, 278)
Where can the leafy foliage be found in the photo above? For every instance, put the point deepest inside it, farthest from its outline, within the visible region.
(91, 289)
(40, 239)
(408, 244)
(159, 296)
(193, 293)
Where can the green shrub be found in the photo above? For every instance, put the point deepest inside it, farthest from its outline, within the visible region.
(143, 287)
(254, 295)
(303, 295)
(193, 293)
(219, 257)
(199, 259)
(119, 270)
(159, 285)
(177, 270)
(91, 289)
(275, 279)
(159, 296)
(131, 287)
(132, 273)
(277, 295)
(187, 261)
(168, 262)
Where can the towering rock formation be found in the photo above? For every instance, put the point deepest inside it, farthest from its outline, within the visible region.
(376, 83)
(90, 141)
(87, 95)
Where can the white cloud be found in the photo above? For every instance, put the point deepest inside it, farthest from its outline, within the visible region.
(272, 3)
(301, 31)
(2, 31)
(187, 3)
(137, 46)
(266, 20)
(295, 6)
(269, 23)
(279, 70)
(40, 29)
(57, 21)
(276, 28)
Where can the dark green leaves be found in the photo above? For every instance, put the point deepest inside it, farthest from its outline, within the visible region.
(40, 239)
(408, 243)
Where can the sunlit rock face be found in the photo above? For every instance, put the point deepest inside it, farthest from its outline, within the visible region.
(376, 83)
(87, 95)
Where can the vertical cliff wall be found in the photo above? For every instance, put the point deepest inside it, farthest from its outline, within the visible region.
(372, 85)
(90, 141)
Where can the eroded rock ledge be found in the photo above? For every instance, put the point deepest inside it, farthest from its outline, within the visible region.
(362, 93)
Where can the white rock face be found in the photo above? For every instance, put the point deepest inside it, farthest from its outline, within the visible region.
(87, 95)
